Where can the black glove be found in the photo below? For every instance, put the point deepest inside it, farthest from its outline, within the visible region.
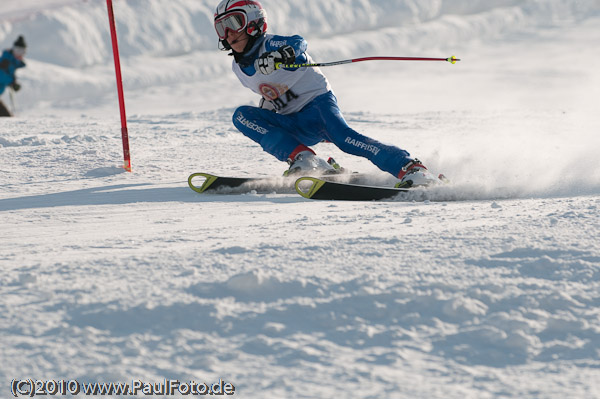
(266, 63)
(15, 86)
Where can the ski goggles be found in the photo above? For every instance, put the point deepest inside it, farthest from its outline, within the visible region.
(235, 21)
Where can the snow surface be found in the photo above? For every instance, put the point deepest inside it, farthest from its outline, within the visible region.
(488, 288)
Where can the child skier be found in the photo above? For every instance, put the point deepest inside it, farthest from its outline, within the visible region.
(298, 108)
(10, 61)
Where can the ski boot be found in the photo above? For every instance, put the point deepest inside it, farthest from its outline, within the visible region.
(415, 174)
(308, 164)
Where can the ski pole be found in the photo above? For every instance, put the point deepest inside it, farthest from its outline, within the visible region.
(279, 65)
(12, 100)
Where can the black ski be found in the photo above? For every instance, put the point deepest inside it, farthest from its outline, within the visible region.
(314, 188)
(225, 184)
(263, 185)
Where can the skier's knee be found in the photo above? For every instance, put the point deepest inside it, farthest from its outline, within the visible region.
(242, 111)
(242, 116)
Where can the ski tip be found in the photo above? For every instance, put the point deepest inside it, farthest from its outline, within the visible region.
(308, 186)
(208, 180)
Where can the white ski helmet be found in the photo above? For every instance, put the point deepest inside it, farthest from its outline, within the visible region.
(238, 15)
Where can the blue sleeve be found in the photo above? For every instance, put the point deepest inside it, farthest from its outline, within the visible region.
(8, 65)
(4, 62)
(297, 42)
(5, 77)
(5, 80)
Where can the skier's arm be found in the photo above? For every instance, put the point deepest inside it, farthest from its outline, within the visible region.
(4, 64)
(5, 77)
(281, 49)
(296, 42)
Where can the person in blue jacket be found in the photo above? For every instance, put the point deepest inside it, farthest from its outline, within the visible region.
(298, 108)
(10, 61)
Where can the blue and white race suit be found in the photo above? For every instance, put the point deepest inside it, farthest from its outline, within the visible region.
(307, 112)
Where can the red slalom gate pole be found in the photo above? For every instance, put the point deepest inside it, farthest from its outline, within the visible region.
(115, 46)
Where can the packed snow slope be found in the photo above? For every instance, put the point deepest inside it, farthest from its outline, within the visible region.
(486, 288)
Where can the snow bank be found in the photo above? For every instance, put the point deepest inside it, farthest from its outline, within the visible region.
(75, 33)
(171, 43)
